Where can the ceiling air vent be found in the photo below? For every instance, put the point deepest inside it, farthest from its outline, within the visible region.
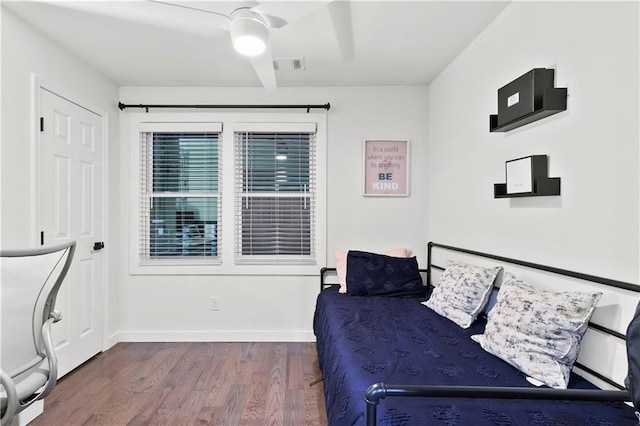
(290, 64)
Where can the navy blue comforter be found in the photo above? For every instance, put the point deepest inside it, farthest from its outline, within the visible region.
(362, 340)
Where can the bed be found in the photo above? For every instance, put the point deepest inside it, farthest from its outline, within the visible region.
(393, 361)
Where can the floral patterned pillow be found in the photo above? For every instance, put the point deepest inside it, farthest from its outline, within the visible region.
(462, 293)
(538, 331)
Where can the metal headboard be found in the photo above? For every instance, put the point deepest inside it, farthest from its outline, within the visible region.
(325, 271)
(586, 277)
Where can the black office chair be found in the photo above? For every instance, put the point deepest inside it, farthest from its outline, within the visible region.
(29, 280)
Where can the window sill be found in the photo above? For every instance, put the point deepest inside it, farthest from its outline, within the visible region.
(186, 268)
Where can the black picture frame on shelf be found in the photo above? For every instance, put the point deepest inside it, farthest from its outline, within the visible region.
(527, 177)
(528, 98)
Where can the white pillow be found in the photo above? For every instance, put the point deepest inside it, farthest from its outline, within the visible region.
(538, 331)
(463, 292)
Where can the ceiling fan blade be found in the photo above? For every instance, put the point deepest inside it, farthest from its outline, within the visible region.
(263, 65)
(287, 11)
(202, 13)
(154, 13)
(340, 12)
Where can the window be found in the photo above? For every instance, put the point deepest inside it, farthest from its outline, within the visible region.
(227, 193)
(179, 193)
(275, 187)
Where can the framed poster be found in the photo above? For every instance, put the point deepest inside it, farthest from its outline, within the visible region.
(386, 168)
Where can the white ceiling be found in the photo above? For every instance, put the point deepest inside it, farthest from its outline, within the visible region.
(395, 43)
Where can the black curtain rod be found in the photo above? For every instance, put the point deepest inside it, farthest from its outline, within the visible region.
(326, 106)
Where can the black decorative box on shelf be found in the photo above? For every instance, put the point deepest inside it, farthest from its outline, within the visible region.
(528, 98)
(527, 177)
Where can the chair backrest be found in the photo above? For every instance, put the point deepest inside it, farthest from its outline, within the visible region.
(29, 284)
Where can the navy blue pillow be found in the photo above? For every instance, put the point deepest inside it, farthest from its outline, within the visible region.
(493, 299)
(372, 274)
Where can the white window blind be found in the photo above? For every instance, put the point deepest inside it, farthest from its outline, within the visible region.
(275, 187)
(180, 200)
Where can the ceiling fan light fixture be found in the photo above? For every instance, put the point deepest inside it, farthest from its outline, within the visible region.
(249, 34)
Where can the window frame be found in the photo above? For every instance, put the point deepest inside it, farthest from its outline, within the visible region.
(244, 190)
(227, 264)
(167, 128)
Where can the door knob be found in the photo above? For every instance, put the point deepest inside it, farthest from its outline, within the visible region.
(98, 245)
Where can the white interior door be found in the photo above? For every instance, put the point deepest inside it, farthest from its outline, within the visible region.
(70, 208)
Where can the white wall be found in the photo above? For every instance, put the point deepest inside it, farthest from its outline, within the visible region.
(593, 146)
(274, 307)
(26, 52)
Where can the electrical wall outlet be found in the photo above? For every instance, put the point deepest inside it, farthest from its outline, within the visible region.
(214, 303)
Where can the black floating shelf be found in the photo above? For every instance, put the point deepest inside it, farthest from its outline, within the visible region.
(541, 184)
(544, 187)
(553, 102)
(526, 99)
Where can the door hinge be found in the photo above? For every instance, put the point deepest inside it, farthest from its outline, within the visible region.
(42, 124)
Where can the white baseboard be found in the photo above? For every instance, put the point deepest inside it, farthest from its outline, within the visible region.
(216, 336)
(110, 341)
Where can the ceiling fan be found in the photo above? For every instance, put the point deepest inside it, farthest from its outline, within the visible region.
(249, 23)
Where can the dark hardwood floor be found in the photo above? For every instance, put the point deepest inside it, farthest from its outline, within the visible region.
(191, 384)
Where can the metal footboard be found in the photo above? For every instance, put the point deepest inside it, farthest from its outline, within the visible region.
(379, 391)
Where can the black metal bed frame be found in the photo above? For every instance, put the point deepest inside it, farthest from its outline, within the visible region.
(380, 390)
(325, 271)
